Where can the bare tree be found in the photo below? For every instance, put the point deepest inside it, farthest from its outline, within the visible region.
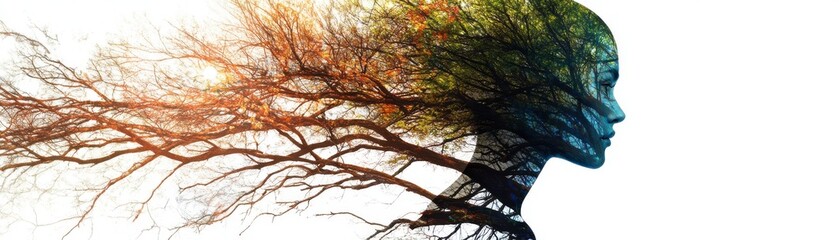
(345, 97)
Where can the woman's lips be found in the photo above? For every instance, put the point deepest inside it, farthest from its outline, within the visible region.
(606, 138)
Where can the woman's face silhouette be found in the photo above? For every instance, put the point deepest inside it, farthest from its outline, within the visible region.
(602, 87)
(579, 131)
(554, 92)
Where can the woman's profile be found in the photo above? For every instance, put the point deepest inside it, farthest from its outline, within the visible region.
(537, 82)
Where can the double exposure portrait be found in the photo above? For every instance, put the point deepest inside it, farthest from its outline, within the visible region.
(434, 116)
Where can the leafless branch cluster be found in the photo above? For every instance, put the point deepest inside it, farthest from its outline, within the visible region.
(295, 97)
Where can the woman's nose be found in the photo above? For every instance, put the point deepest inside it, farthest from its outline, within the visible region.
(617, 114)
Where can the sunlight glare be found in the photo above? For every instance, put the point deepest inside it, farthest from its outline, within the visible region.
(210, 75)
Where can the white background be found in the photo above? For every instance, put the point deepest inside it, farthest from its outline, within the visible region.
(732, 112)
(731, 109)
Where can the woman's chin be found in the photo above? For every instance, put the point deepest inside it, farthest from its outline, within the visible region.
(592, 162)
(591, 156)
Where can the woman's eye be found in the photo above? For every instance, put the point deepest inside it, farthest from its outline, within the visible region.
(606, 90)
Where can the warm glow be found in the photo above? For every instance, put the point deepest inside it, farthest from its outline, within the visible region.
(211, 75)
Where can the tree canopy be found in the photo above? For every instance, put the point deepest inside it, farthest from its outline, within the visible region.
(337, 98)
